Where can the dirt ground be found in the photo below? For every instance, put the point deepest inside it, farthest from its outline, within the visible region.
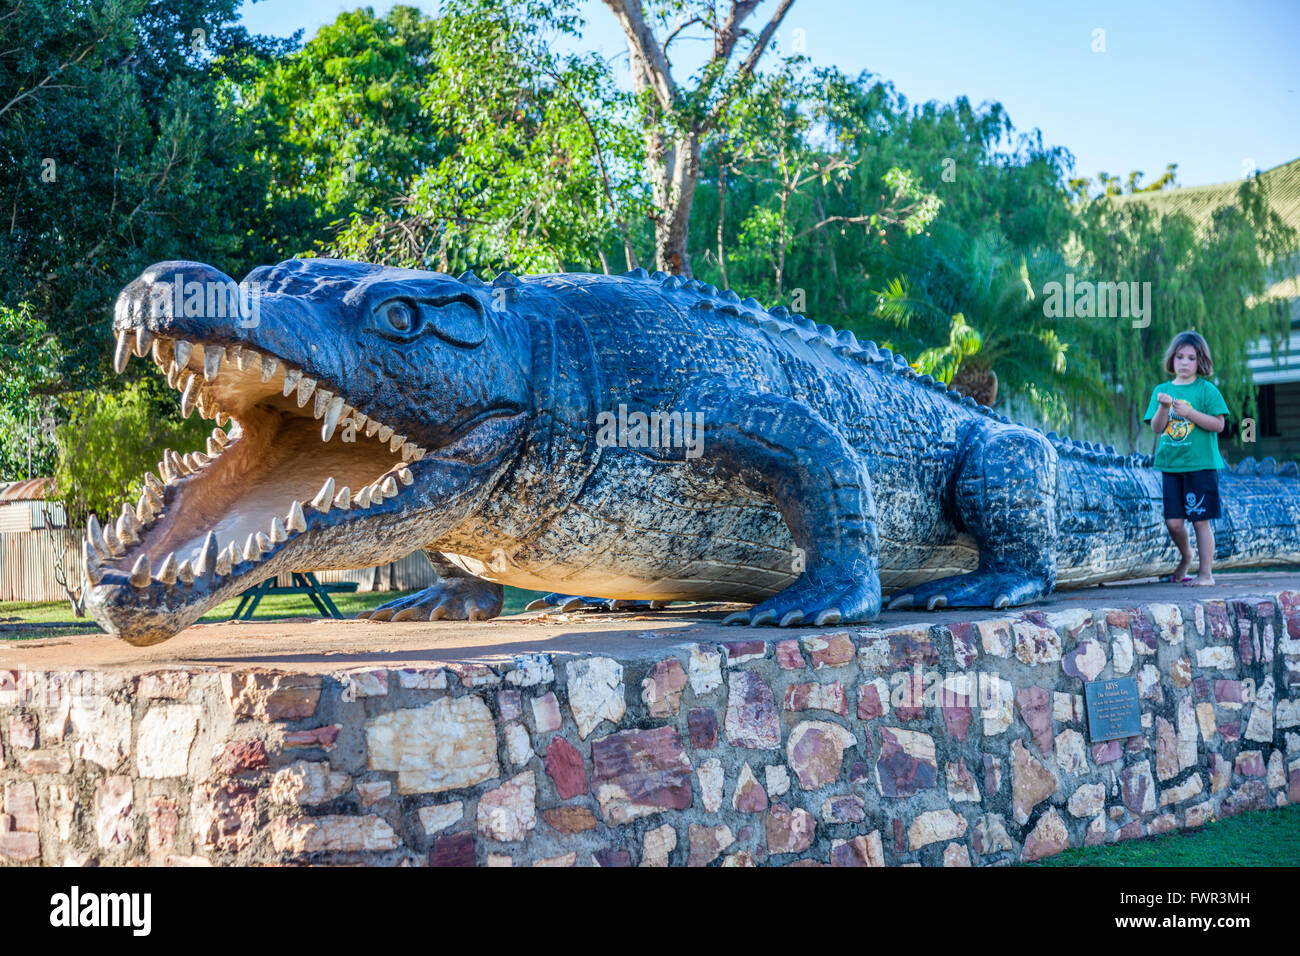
(327, 645)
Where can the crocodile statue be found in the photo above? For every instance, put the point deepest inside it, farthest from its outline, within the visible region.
(502, 427)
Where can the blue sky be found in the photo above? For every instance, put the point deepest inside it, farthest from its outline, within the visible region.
(1214, 87)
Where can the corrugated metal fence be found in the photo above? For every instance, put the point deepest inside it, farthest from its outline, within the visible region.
(27, 568)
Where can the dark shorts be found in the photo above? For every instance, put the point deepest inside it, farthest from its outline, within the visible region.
(1193, 495)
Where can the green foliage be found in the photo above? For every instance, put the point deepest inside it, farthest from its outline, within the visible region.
(541, 174)
(340, 122)
(111, 439)
(113, 157)
(29, 356)
(1201, 278)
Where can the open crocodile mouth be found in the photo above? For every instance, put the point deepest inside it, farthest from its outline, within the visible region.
(296, 450)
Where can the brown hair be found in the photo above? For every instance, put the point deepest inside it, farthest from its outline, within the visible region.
(1204, 364)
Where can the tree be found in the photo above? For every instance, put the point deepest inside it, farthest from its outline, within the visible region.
(340, 122)
(112, 157)
(677, 121)
(537, 169)
(111, 439)
(30, 358)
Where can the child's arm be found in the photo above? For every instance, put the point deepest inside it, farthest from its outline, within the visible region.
(1162, 416)
(1211, 423)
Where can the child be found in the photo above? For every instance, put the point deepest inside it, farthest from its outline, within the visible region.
(1189, 411)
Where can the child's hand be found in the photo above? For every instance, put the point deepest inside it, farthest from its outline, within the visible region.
(1181, 407)
(1164, 398)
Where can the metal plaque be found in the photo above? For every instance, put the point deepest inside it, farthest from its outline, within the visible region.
(1113, 709)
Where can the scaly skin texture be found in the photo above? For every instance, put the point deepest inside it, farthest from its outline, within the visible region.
(823, 474)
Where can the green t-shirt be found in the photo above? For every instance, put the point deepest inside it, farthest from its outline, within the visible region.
(1183, 445)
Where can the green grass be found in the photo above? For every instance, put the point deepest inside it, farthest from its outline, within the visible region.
(1262, 838)
(24, 620)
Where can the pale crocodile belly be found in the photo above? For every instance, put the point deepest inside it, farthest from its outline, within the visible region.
(654, 531)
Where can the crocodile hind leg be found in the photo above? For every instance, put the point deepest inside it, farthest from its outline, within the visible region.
(787, 453)
(1005, 497)
(456, 596)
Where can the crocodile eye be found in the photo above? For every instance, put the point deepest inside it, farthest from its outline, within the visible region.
(397, 315)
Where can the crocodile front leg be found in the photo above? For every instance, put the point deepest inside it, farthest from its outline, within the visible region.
(789, 454)
(456, 596)
(1005, 497)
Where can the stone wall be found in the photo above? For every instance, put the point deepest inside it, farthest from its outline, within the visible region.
(950, 745)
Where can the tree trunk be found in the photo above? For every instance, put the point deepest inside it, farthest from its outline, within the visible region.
(978, 382)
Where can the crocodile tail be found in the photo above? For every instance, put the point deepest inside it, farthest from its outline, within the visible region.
(1111, 525)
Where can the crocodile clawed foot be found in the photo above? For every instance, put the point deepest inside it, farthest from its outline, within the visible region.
(453, 599)
(570, 602)
(992, 589)
(815, 602)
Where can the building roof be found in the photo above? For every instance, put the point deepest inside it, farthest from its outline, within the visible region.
(1199, 202)
(33, 489)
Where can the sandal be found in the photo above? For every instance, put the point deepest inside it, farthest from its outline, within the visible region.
(1170, 579)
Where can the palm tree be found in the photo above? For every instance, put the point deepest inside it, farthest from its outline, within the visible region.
(970, 314)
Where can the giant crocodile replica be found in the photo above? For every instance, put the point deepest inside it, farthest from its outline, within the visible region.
(377, 411)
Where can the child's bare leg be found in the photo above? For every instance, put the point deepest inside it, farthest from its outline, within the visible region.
(1178, 531)
(1205, 551)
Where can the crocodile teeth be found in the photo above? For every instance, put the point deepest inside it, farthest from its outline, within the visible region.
(153, 484)
(389, 487)
(185, 573)
(115, 547)
(295, 521)
(323, 399)
(396, 442)
(95, 535)
(372, 426)
(362, 500)
(141, 574)
(221, 418)
(90, 561)
(182, 352)
(190, 395)
(251, 550)
(213, 448)
(143, 341)
(358, 420)
(200, 459)
(127, 528)
(162, 353)
(167, 573)
(165, 469)
(207, 403)
(174, 376)
(122, 354)
(305, 387)
(404, 476)
(408, 451)
(343, 500)
(207, 559)
(419, 453)
(190, 462)
(278, 533)
(269, 364)
(324, 497)
(212, 356)
(264, 543)
(385, 433)
(244, 361)
(220, 437)
(332, 415)
(223, 563)
(144, 510)
(291, 377)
